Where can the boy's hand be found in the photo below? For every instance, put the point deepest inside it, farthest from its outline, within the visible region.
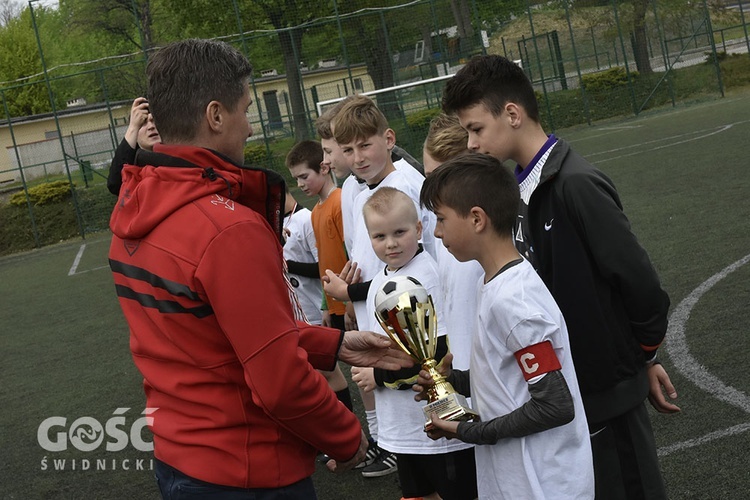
(335, 286)
(350, 320)
(424, 379)
(325, 318)
(351, 273)
(441, 428)
(364, 378)
(659, 378)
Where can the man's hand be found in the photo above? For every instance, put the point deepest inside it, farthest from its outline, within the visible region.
(424, 379)
(138, 117)
(658, 378)
(364, 378)
(440, 428)
(371, 349)
(335, 466)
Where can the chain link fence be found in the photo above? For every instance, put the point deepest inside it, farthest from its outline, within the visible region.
(587, 63)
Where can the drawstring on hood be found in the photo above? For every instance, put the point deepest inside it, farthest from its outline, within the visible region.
(211, 174)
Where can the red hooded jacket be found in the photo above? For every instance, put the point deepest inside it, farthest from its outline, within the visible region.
(200, 279)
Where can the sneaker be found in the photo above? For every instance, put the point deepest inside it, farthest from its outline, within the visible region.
(383, 465)
(372, 454)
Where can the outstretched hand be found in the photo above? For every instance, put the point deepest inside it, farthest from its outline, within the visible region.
(659, 382)
(370, 349)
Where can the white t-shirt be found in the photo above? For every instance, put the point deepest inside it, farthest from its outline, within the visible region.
(516, 311)
(459, 282)
(362, 252)
(300, 247)
(349, 191)
(400, 418)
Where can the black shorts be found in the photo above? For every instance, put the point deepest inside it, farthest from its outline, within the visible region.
(452, 475)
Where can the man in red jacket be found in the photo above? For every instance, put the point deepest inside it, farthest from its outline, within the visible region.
(199, 272)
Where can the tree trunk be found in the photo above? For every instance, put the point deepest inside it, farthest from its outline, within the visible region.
(640, 38)
(380, 67)
(462, 16)
(290, 46)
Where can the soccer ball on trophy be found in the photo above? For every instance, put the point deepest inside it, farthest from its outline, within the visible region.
(389, 294)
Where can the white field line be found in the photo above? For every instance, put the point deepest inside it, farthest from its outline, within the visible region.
(686, 364)
(678, 351)
(711, 436)
(77, 260)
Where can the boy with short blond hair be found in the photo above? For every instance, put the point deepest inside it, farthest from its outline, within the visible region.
(429, 469)
(533, 439)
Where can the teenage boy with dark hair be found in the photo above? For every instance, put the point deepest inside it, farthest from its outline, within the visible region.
(198, 269)
(305, 164)
(572, 229)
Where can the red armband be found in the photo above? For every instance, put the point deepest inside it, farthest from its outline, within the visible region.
(537, 359)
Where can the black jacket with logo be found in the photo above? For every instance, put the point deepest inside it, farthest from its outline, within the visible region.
(602, 279)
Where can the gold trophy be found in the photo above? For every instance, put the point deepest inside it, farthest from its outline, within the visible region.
(406, 313)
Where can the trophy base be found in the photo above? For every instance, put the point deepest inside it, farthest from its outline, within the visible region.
(450, 407)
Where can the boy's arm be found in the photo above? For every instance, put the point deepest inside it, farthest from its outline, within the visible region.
(358, 291)
(551, 405)
(306, 269)
(595, 207)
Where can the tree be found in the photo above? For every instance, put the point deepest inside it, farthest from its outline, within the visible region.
(640, 38)
(19, 59)
(130, 20)
(462, 15)
(9, 10)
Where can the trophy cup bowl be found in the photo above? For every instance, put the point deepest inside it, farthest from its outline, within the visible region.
(405, 311)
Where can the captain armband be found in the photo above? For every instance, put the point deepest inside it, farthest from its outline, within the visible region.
(537, 359)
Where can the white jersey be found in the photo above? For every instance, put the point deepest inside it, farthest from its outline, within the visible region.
(400, 418)
(349, 191)
(460, 282)
(300, 247)
(516, 311)
(362, 252)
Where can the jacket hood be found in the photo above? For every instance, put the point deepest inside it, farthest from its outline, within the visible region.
(171, 177)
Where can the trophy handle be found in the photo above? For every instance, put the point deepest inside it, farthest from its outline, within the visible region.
(442, 387)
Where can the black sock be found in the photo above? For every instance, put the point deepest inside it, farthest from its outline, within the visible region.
(346, 398)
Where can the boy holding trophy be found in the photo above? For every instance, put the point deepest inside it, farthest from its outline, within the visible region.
(533, 436)
(429, 469)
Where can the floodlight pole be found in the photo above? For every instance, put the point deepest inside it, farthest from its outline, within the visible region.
(57, 121)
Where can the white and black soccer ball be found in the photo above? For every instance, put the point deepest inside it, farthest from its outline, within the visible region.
(387, 297)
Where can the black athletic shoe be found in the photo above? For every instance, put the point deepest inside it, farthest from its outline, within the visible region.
(372, 454)
(383, 465)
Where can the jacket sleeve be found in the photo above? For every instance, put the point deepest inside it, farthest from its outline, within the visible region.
(124, 155)
(241, 274)
(594, 206)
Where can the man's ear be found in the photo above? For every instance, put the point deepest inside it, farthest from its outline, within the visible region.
(215, 116)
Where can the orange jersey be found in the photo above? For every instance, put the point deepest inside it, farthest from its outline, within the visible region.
(329, 236)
